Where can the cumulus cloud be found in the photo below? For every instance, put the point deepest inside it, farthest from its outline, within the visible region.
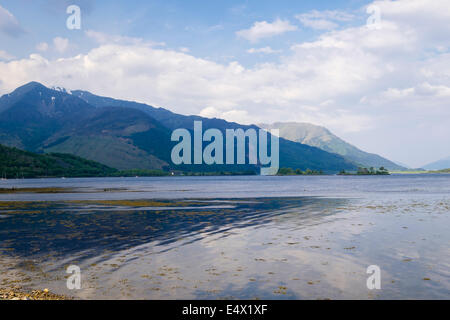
(264, 29)
(60, 44)
(43, 46)
(266, 50)
(5, 55)
(377, 83)
(427, 19)
(9, 24)
(210, 112)
(323, 20)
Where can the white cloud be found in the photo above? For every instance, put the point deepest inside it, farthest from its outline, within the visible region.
(267, 50)
(366, 85)
(238, 116)
(428, 19)
(9, 24)
(60, 44)
(420, 93)
(294, 89)
(264, 29)
(395, 93)
(210, 112)
(216, 27)
(5, 55)
(434, 90)
(43, 46)
(323, 20)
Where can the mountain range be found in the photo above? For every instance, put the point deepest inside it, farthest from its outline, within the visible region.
(124, 134)
(322, 138)
(438, 165)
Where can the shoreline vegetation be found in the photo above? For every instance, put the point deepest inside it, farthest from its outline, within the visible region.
(422, 171)
(18, 164)
(161, 173)
(366, 172)
(440, 171)
(299, 172)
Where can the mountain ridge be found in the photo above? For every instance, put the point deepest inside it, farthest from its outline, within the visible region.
(438, 165)
(123, 134)
(324, 139)
(173, 121)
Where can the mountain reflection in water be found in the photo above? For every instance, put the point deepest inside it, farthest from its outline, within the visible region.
(244, 244)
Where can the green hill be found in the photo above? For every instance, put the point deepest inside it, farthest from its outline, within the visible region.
(15, 163)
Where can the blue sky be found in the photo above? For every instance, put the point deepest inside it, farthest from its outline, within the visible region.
(207, 28)
(383, 84)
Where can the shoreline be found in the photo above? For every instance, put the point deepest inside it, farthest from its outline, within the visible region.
(391, 173)
(16, 284)
(17, 293)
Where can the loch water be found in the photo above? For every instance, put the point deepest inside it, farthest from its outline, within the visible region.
(241, 237)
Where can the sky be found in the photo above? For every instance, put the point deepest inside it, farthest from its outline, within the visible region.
(376, 73)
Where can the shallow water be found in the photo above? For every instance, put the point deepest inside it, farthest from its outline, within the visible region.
(230, 237)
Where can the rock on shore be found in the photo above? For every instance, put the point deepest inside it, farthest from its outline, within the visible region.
(18, 294)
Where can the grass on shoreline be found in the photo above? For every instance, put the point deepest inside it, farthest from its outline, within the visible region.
(422, 171)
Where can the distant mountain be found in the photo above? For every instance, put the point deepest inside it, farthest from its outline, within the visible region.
(322, 138)
(123, 134)
(438, 165)
(404, 165)
(15, 163)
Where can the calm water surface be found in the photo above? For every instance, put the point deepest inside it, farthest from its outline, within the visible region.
(230, 237)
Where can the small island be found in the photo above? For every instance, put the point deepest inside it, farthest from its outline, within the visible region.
(298, 172)
(366, 172)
